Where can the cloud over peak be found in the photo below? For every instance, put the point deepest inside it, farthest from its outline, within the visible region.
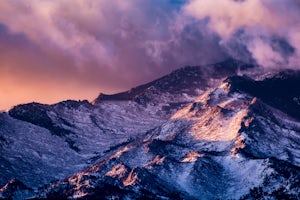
(108, 46)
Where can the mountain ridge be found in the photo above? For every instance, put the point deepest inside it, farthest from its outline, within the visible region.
(214, 135)
(196, 76)
(218, 151)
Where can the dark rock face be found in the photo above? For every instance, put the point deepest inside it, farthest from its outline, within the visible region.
(281, 91)
(188, 135)
(36, 113)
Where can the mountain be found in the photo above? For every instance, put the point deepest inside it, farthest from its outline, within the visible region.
(185, 82)
(203, 132)
(74, 134)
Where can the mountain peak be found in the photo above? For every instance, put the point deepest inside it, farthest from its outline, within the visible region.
(189, 80)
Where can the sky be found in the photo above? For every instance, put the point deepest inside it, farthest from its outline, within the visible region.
(74, 49)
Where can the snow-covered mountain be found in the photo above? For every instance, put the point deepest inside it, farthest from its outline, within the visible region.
(198, 133)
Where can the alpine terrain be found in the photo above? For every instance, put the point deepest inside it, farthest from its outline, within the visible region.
(221, 131)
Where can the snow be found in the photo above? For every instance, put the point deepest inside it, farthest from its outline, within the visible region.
(131, 178)
(215, 145)
(244, 174)
(50, 152)
(118, 170)
(156, 161)
(192, 157)
(93, 131)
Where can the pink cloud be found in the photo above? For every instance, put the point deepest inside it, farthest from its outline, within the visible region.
(105, 45)
(111, 46)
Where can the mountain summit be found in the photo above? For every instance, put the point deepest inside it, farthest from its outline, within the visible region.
(203, 132)
(190, 80)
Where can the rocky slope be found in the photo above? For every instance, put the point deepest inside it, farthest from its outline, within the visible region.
(227, 144)
(188, 135)
(74, 134)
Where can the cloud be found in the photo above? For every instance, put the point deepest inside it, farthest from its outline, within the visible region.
(28, 74)
(228, 16)
(76, 48)
(102, 45)
(115, 35)
(264, 53)
(255, 25)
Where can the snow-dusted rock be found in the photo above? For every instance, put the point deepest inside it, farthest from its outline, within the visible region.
(188, 135)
